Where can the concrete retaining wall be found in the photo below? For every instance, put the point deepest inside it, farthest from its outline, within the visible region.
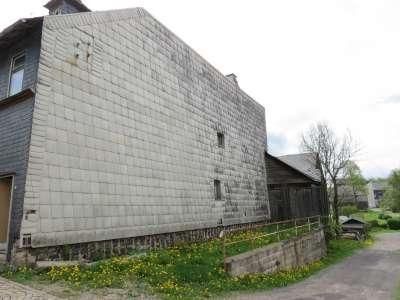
(279, 256)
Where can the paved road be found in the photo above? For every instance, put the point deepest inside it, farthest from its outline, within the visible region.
(371, 274)
(13, 291)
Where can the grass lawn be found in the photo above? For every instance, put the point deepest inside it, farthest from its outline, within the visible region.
(184, 272)
(373, 215)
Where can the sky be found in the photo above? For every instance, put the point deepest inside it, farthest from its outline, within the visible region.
(336, 61)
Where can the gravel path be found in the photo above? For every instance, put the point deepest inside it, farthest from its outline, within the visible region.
(370, 274)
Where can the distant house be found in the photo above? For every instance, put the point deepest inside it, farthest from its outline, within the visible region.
(375, 192)
(296, 186)
(349, 196)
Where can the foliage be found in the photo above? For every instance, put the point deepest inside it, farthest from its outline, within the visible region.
(184, 272)
(394, 224)
(355, 179)
(391, 198)
(383, 216)
(334, 154)
(332, 231)
(348, 210)
(373, 216)
(373, 223)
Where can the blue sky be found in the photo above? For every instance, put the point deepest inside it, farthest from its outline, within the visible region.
(334, 60)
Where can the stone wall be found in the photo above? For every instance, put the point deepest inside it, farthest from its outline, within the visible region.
(279, 256)
(93, 251)
(125, 130)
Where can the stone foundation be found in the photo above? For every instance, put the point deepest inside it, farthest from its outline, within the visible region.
(93, 251)
(279, 256)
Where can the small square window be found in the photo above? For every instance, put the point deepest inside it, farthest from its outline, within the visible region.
(217, 190)
(221, 140)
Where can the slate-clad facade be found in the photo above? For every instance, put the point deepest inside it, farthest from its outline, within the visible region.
(15, 132)
(126, 136)
(29, 44)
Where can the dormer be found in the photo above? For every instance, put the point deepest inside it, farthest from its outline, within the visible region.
(63, 7)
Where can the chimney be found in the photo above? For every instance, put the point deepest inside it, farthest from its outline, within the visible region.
(63, 7)
(233, 78)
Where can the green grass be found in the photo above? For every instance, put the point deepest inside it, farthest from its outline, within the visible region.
(184, 272)
(397, 293)
(372, 215)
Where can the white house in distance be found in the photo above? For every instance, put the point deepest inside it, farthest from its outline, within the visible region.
(375, 192)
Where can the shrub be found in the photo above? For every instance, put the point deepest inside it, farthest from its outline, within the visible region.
(394, 224)
(383, 216)
(348, 210)
(373, 223)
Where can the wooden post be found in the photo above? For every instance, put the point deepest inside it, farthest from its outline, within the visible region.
(277, 229)
(295, 227)
(224, 253)
(309, 224)
(222, 236)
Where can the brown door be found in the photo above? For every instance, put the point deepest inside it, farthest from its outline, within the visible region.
(5, 199)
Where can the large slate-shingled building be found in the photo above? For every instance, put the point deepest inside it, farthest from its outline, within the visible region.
(114, 133)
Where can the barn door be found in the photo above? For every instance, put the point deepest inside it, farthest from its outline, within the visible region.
(5, 203)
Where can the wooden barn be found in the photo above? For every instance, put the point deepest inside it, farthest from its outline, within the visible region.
(296, 186)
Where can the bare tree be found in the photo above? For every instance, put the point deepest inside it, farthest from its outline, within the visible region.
(334, 154)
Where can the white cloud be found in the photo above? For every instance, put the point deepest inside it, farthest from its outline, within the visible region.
(303, 60)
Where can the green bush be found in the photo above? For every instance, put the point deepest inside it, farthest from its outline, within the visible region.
(348, 210)
(383, 216)
(394, 224)
(373, 223)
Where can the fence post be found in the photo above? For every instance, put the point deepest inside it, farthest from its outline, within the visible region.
(222, 236)
(277, 230)
(295, 227)
(309, 224)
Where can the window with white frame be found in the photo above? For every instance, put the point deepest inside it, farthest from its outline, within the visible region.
(16, 74)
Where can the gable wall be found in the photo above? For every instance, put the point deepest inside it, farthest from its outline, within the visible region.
(126, 125)
(30, 44)
(280, 173)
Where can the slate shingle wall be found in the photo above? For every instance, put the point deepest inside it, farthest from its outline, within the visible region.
(15, 129)
(124, 138)
(30, 44)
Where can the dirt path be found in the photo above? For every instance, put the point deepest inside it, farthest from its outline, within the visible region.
(371, 274)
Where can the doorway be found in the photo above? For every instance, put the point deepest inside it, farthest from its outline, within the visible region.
(5, 205)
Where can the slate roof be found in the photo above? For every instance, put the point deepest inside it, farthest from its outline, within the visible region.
(304, 163)
(18, 29)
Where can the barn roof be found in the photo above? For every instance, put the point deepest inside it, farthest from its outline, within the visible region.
(354, 220)
(305, 163)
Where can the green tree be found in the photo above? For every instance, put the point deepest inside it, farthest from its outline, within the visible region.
(334, 154)
(355, 180)
(391, 198)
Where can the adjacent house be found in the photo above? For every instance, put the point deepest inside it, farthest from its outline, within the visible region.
(348, 195)
(375, 191)
(296, 186)
(114, 134)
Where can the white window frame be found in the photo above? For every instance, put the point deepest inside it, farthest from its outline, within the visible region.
(13, 59)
